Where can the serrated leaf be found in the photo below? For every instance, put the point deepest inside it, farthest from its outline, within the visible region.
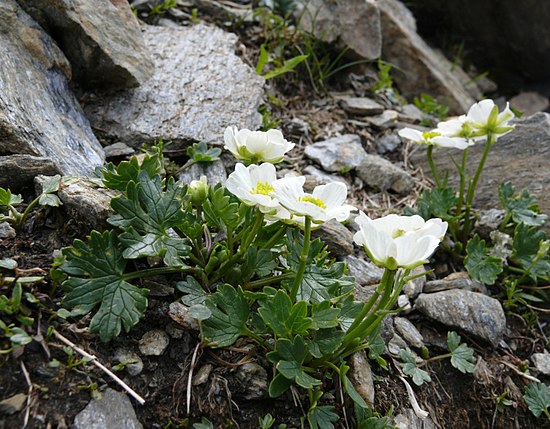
(322, 417)
(129, 171)
(200, 152)
(324, 315)
(229, 315)
(194, 293)
(328, 340)
(376, 346)
(419, 376)
(261, 262)
(437, 202)
(9, 199)
(96, 277)
(480, 265)
(522, 207)
(526, 244)
(219, 210)
(284, 318)
(349, 310)
(349, 387)
(51, 184)
(537, 398)
(49, 200)
(462, 356)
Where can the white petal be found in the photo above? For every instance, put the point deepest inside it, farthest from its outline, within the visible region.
(451, 142)
(479, 112)
(412, 134)
(332, 194)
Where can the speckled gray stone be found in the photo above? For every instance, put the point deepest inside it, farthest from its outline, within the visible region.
(199, 87)
(154, 342)
(382, 175)
(337, 154)
(474, 313)
(365, 272)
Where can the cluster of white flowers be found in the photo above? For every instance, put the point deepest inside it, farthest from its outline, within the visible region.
(392, 242)
(482, 118)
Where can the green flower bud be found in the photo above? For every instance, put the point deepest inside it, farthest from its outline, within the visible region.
(198, 191)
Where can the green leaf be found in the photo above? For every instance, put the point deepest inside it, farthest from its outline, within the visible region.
(522, 207)
(328, 340)
(348, 386)
(262, 60)
(200, 312)
(129, 171)
(322, 417)
(480, 265)
(462, 356)
(419, 376)
(526, 245)
(537, 398)
(8, 264)
(279, 385)
(200, 152)
(284, 318)
(377, 346)
(51, 184)
(437, 202)
(8, 199)
(194, 293)
(96, 277)
(49, 200)
(204, 424)
(262, 262)
(218, 209)
(324, 315)
(287, 66)
(229, 315)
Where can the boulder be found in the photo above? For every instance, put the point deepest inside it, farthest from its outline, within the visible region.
(338, 154)
(39, 115)
(17, 171)
(199, 87)
(417, 67)
(101, 38)
(382, 175)
(521, 157)
(353, 24)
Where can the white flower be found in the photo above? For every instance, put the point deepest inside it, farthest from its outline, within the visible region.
(253, 185)
(399, 241)
(326, 202)
(434, 137)
(484, 117)
(256, 146)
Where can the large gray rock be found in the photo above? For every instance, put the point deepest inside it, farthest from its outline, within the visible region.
(473, 312)
(113, 410)
(39, 115)
(17, 171)
(417, 68)
(354, 24)
(199, 87)
(382, 175)
(338, 154)
(101, 39)
(521, 157)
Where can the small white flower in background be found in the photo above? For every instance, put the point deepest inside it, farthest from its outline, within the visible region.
(484, 117)
(455, 127)
(326, 202)
(253, 185)
(256, 146)
(434, 138)
(399, 241)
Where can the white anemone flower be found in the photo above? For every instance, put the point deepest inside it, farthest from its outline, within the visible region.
(434, 138)
(484, 117)
(253, 185)
(256, 146)
(399, 241)
(326, 202)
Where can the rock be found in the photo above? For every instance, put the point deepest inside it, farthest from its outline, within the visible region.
(489, 221)
(360, 375)
(113, 410)
(529, 103)
(361, 106)
(521, 157)
(460, 280)
(388, 119)
(382, 175)
(17, 171)
(124, 355)
(404, 304)
(202, 374)
(411, 113)
(338, 154)
(474, 313)
(158, 288)
(364, 293)
(84, 200)
(252, 381)
(354, 24)
(318, 177)
(396, 344)
(39, 115)
(154, 343)
(387, 143)
(117, 149)
(199, 87)
(179, 313)
(6, 231)
(337, 237)
(13, 404)
(417, 68)
(408, 332)
(541, 362)
(214, 171)
(414, 287)
(365, 272)
(101, 38)
(502, 245)
(409, 420)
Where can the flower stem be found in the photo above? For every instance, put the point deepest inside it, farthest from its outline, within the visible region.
(157, 271)
(256, 284)
(21, 218)
(433, 167)
(303, 260)
(462, 173)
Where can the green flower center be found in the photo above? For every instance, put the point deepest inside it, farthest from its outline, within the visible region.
(427, 135)
(398, 233)
(263, 188)
(317, 201)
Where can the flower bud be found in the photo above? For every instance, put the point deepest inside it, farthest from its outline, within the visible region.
(198, 191)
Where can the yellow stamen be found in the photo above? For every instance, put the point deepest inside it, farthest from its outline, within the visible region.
(317, 201)
(263, 188)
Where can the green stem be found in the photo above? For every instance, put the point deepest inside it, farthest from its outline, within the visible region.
(275, 237)
(462, 172)
(433, 167)
(303, 260)
(21, 218)
(256, 284)
(185, 166)
(156, 271)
